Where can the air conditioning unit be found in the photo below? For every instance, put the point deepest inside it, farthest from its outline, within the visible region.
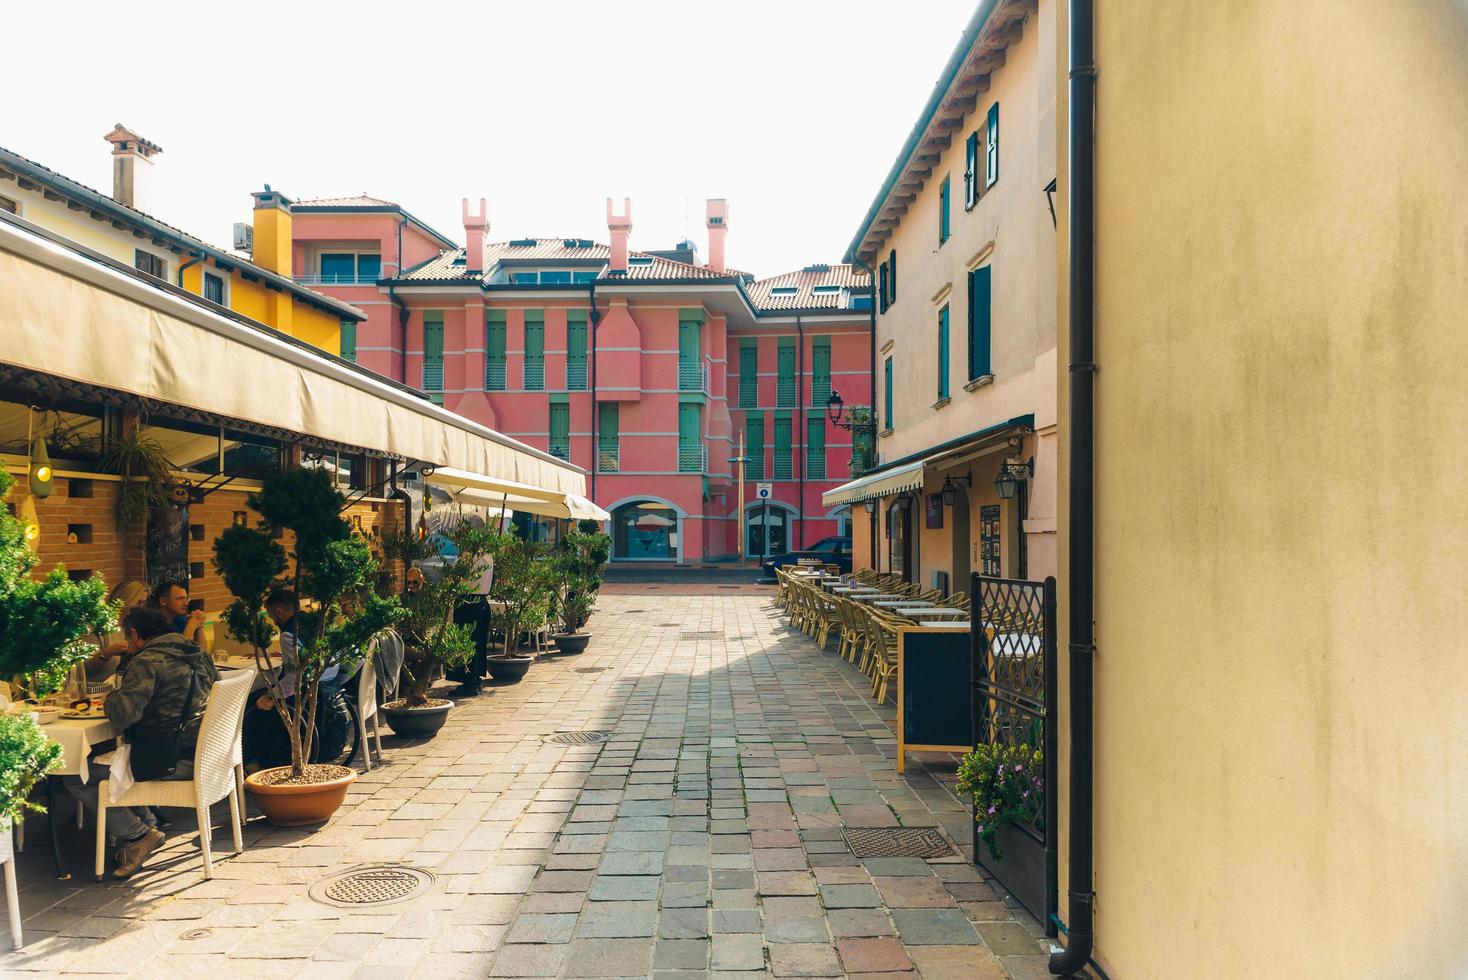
(244, 237)
(940, 581)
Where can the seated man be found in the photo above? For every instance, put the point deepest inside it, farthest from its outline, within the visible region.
(172, 599)
(151, 700)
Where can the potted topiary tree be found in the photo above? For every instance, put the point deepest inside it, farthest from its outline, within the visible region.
(432, 640)
(524, 582)
(327, 567)
(45, 626)
(581, 560)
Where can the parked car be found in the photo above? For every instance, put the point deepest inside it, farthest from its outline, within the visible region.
(831, 551)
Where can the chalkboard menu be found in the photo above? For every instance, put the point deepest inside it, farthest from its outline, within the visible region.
(934, 691)
(167, 551)
(989, 539)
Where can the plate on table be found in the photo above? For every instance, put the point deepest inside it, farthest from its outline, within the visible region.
(71, 715)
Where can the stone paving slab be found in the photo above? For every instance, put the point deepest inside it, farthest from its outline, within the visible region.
(703, 840)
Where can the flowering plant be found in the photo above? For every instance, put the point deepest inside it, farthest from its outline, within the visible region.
(1007, 784)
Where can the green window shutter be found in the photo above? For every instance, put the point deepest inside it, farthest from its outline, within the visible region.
(943, 225)
(820, 372)
(943, 353)
(979, 323)
(575, 350)
(608, 437)
(754, 446)
(494, 350)
(433, 351)
(560, 430)
(887, 390)
(882, 277)
(971, 170)
(534, 350)
(782, 469)
(815, 446)
(349, 340)
(991, 146)
(690, 366)
(748, 372)
(892, 277)
(785, 383)
(690, 438)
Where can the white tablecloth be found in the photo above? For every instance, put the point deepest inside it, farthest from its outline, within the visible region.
(76, 739)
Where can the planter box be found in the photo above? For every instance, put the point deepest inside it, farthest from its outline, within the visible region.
(1022, 869)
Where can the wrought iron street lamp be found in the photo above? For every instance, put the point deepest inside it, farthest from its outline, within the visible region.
(950, 488)
(1011, 475)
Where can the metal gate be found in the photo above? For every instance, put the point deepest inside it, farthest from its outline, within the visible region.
(1013, 671)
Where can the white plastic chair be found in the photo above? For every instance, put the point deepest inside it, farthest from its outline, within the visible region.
(215, 773)
(367, 708)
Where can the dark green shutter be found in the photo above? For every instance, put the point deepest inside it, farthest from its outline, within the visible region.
(943, 353)
(575, 350)
(820, 373)
(433, 351)
(979, 298)
(494, 350)
(892, 277)
(815, 446)
(349, 341)
(690, 438)
(534, 350)
(754, 446)
(609, 437)
(782, 470)
(560, 430)
(971, 170)
(882, 276)
(690, 372)
(748, 372)
(991, 146)
(785, 365)
(943, 195)
(887, 389)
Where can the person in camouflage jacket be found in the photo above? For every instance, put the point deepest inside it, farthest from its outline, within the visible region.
(153, 694)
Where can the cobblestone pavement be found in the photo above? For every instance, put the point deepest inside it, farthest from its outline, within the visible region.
(703, 839)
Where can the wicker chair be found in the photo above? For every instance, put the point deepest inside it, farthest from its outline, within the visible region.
(884, 661)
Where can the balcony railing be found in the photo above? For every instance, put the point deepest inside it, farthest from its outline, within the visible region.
(433, 374)
(494, 375)
(561, 450)
(337, 279)
(820, 391)
(815, 464)
(748, 392)
(785, 392)
(609, 457)
(693, 376)
(782, 464)
(534, 374)
(754, 466)
(576, 375)
(692, 459)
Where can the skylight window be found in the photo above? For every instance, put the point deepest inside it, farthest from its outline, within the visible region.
(524, 243)
(640, 260)
(826, 290)
(784, 290)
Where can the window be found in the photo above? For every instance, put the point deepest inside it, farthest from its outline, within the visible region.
(7, 204)
(350, 268)
(887, 391)
(369, 268)
(575, 350)
(555, 276)
(754, 446)
(690, 361)
(639, 260)
(815, 446)
(149, 264)
(784, 291)
(861, 301)
(349, 341)
(991, 146)
(524, 278)
(214, 288)
(979, 325)
(433, 350)
(971, 171)
(585, 277)
(943, 353)
(690, 438)
(609, 437)
(825, 290)
(785, 365)
(534, 350)
(782, 469)
(748, 372)
(560, 430)
(820, 372)
(494, 350)
(943, 226)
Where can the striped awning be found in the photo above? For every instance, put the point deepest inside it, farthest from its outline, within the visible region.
(874, 485)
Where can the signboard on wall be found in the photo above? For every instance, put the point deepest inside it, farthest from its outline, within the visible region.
(934, 513)
(989, 540)
(167, 548)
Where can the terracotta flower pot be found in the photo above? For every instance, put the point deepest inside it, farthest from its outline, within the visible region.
(297, 805)
(420, 722)
(571, 642)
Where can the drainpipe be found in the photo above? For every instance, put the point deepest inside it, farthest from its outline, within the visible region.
(194, 260)
(392, 297)
(1082, 485)
(800, 421)
(595, 409)
(872, 519)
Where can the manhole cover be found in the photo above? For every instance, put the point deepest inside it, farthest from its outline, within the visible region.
(665, 625)
(191, 934)
(702, 634)
(371, 886)
(870, 842)
(577, 738)
(590, 670)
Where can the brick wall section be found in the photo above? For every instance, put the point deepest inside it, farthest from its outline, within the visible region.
(119, 557)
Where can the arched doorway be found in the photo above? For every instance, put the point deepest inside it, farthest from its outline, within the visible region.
(644, 530)
(767, 529)
(959, 518)
(902, 549)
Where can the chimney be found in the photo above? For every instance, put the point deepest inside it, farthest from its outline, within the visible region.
(272, 231)
(619, 227)
(476, 238)
(718, 224)
(132, 167)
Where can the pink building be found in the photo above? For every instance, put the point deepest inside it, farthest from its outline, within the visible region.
(648, 368)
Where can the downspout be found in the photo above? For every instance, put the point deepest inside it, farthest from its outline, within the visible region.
(1082, 287)
(393, 300)
(872, 519)
(800, 420)
(195, 260)
(595, 409)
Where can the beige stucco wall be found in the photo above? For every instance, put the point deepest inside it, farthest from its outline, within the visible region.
(1282, 489)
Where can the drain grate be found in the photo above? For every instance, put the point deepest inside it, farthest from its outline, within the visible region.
(577, 738)
(923, 842)
(702, 634)
(665, 625)
(382, 885)
(590, 670)
(193, 934)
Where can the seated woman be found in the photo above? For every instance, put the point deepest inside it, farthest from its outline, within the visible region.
(112, 648)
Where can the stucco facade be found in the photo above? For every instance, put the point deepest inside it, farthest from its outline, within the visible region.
(1281, 529)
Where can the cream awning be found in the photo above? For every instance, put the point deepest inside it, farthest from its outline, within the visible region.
(909, 476)
(67, 314)
(470, 488)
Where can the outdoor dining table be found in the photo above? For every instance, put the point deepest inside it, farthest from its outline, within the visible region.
(944, 624)
(906, 601)
(76, 736)
(947, 612)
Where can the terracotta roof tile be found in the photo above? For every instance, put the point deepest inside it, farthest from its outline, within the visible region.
(641, 267)
(762, 292)
(361, 201)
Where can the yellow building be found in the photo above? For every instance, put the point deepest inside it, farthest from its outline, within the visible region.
(1280, 488)
(120, 228)
(961, 241)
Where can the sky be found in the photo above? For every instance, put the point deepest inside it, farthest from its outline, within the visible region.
(793, 111)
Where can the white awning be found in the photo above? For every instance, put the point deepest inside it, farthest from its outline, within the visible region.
(909, 476)
(67, 314)
(566, 506)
